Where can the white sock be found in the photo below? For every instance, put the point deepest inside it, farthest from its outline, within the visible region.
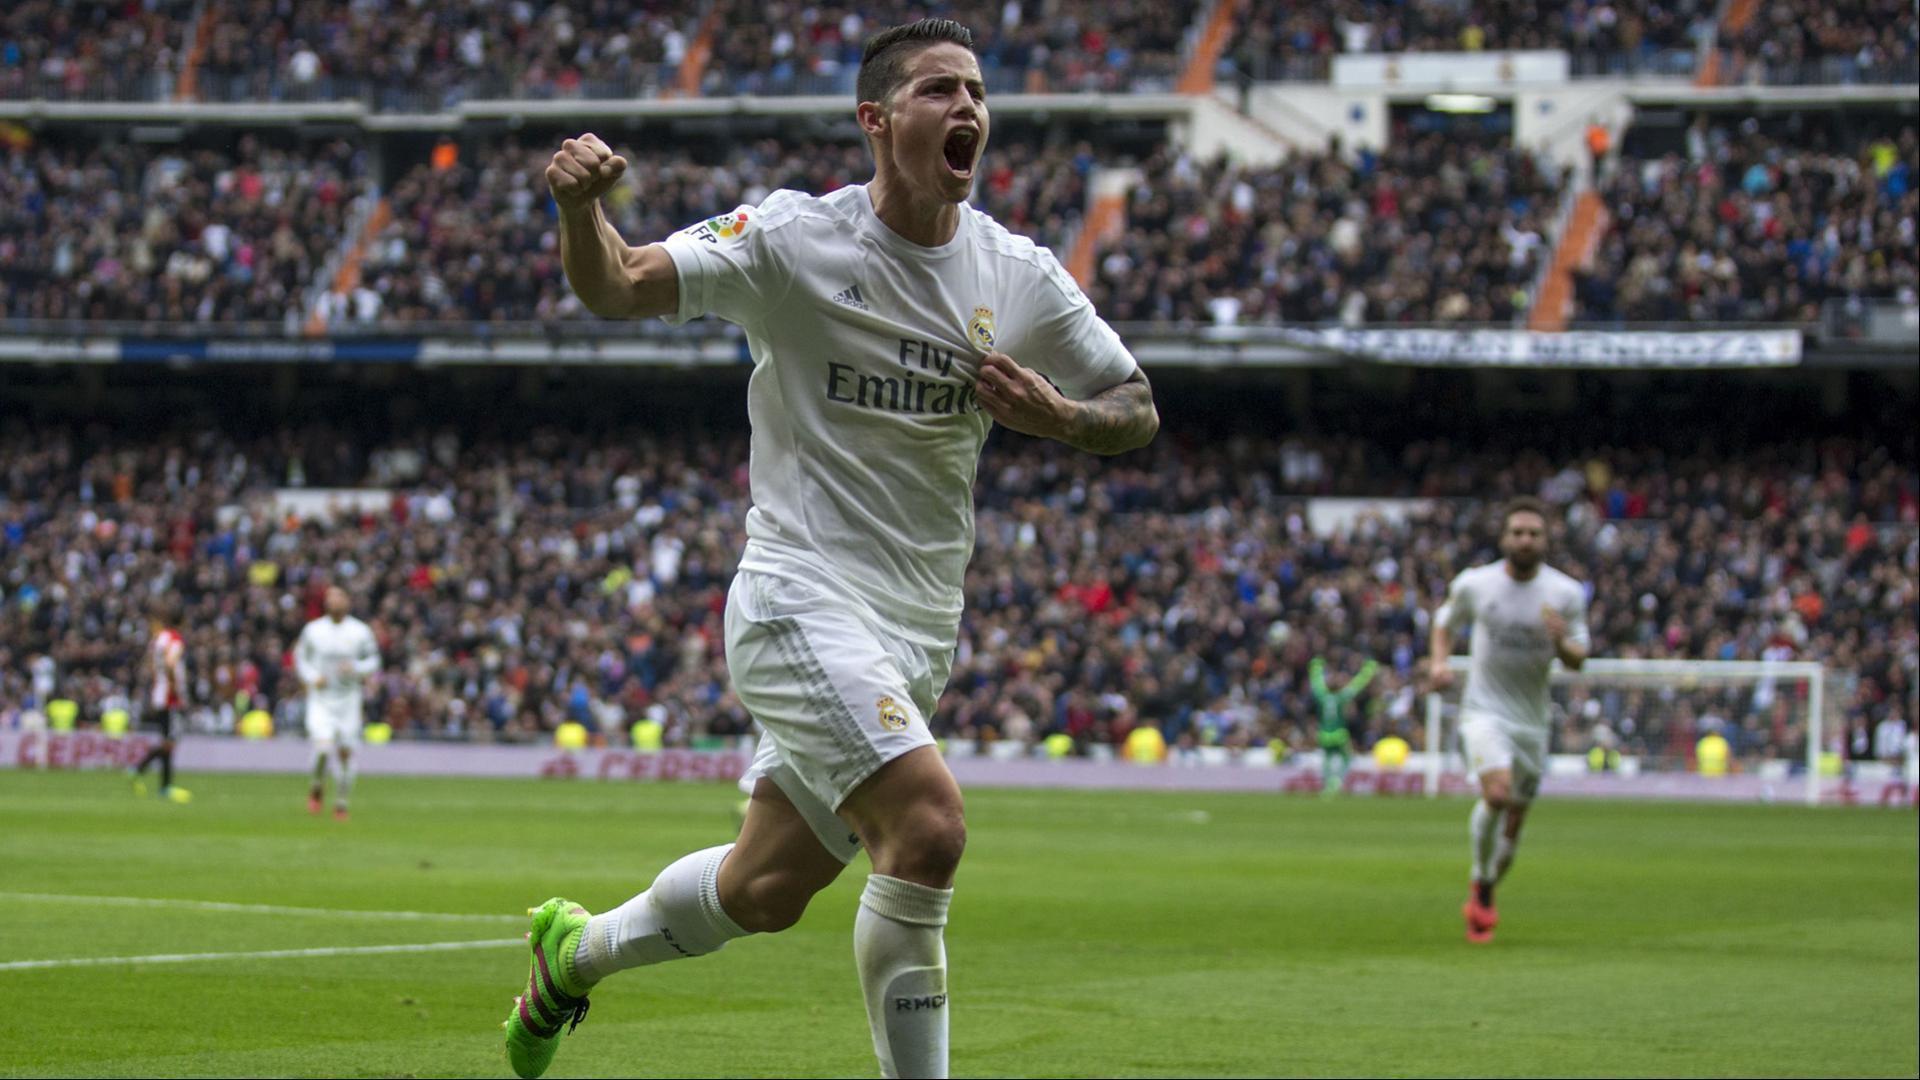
(897, 943)
(1503, 852)
(1485, 826)
(679, 916)
(343, 781)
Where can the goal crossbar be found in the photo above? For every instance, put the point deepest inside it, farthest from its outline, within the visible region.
(1663, 673)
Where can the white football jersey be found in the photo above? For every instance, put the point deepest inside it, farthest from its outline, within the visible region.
(344, 653)
(866, 432)
(1510, 655)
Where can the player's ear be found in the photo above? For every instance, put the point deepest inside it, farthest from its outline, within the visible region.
(872, 116)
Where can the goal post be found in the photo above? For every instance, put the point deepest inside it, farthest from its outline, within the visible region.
(1635, 717)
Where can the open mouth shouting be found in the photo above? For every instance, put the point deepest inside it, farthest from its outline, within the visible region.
(961, 150)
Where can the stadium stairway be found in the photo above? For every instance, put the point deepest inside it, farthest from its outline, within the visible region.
(1716, 66)
(1106, 217)
(346, 272)
(1553, 307)
(188, 88)
(1197, 78)
(693, 70)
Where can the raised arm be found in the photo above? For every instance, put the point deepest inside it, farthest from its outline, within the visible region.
(1113, 421)
(613, 279)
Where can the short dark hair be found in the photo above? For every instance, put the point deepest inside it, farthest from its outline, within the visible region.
(1523, 504)
(883, 63)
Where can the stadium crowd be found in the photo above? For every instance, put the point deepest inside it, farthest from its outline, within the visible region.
(1854, 41)
(108, 231)
(62, 50)
(1751, 226)
(478, 242)
(518, 582)
(1753, 222)
(1279, 39)
(1061, 46)
(1435, 228)
(433, 54)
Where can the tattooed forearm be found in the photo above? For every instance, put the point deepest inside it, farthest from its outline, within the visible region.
(1115, 420)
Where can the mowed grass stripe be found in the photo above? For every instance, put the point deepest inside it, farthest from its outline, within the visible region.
(1093, 934)
(266, 954)
(251, 909)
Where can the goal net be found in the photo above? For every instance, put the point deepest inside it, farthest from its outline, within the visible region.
(1749, 729)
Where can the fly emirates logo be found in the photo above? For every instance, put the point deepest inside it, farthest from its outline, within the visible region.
(917, 384)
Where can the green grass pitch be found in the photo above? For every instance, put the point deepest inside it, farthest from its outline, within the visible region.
(1093, 934)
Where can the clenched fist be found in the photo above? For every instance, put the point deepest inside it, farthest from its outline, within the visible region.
(584, 169)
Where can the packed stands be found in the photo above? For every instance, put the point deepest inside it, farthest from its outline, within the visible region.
(1757, 224)
(1064, 47)
(92, 50)
(437, 53)
(519, 581)
(477, 242)
(1281, 39)
(1854, 41)
(434, 54)
(182, 234)
(1433, 229)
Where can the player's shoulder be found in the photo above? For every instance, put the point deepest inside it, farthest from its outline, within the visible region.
(775, 216)
(835, 210)
(1559, 579)
(1011, 249)
(1476, 575)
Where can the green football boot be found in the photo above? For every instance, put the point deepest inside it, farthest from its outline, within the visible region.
(554, 998)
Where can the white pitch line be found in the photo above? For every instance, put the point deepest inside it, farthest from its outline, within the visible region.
(256, 909)
(270, 954)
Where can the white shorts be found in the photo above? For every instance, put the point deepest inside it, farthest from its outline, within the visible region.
(837, 693)
(329, 724)
(1490, 744)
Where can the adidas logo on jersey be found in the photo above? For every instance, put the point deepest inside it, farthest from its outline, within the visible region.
(851, 297)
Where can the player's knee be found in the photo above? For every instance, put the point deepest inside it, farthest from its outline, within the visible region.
(926, 844)
(1497, 794)
(771, 902)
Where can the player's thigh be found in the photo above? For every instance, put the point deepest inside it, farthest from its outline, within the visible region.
(346, 732)
(911, 817)
(1490, 757)
(837, 695)
(322, 724)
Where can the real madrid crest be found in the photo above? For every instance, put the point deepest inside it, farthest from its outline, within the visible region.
(892, 716)
(980, 328)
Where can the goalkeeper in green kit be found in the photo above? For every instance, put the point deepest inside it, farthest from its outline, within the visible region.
(1335, 742)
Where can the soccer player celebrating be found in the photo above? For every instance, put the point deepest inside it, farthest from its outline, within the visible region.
(334, 656)
(884, 321)
(1336, 753)
(1524, 615)
(166, 662)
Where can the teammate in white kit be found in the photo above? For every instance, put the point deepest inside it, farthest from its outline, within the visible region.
(1524, 615)
(334, 657)
(883, 320)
